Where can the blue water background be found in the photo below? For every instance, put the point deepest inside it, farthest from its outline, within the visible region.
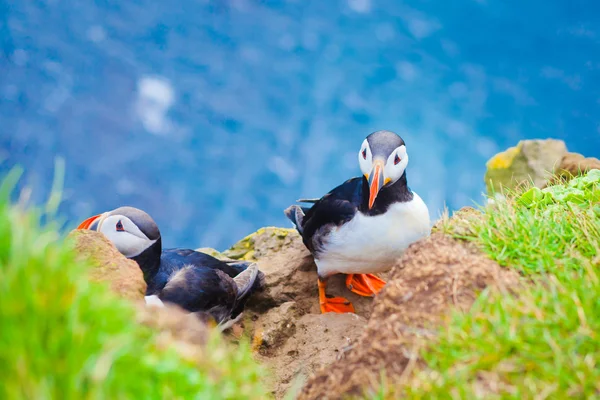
(213, 116)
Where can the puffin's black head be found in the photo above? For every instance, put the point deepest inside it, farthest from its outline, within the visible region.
(131, 230)
(383, 160)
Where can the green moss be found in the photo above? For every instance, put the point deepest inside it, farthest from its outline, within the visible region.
(64, 337)
(212, 252)
(256, 244)
(545, 341)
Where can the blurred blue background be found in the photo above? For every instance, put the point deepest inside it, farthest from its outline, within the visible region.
(213, 116)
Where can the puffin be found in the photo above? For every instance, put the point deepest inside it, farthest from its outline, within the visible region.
(364, 225)
(197, 282)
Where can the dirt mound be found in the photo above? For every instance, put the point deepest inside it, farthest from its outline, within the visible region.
(124, 276)
(178, 328)
(288, 331)
(434, 276)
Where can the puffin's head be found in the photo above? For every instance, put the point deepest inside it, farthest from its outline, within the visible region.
(131, 230)
(383, 159)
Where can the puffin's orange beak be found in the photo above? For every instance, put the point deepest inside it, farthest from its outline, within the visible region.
(88, 222)
(375, 181)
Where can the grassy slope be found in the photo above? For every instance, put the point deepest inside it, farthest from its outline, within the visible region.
(62, 337)
(545, 342)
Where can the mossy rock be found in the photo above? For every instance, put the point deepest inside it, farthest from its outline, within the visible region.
(260, 243)
(213, 252)
(531, 161)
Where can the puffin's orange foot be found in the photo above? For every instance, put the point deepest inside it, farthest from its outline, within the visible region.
(332, 304)
(336, 305)
(364, 284)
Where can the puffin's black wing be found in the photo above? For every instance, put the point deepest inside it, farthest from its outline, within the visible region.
(210, 291)
(201, 289)
(335, 208)
(199, 282)
(174, 259)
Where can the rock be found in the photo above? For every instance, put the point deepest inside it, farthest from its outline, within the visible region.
(530, 161)
(123, 275)
(435, 275)
(259, 244)
(290, 335)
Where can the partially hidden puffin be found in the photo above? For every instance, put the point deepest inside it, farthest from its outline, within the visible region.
(362, 226)
(196, 281)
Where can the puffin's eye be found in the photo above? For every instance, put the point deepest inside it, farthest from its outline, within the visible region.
(364, 153)
(120, 227)
(396, 160)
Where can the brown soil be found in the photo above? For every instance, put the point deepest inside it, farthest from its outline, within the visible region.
(435, 276)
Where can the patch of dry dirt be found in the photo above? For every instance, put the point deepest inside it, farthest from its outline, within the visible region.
(434, 276)
(295, 347)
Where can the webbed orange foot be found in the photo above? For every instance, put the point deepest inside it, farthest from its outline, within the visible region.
(337, 305)
(364, 284)
(333, 304)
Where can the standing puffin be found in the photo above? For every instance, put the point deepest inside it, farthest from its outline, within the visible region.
(197, 282)
(362, 226)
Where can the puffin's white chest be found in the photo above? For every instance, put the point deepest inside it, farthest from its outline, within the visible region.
(369, 244)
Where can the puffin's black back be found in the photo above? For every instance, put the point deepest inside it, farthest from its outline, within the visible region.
(336, 207)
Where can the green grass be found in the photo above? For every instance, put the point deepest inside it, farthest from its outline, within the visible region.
(544, 342)
(62, 337)
(553, 230)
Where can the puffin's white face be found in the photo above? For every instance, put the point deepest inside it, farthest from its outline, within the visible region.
(125, 235)
(379, 171)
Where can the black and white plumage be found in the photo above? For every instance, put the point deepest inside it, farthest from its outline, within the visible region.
(362, 226)
(196, 281)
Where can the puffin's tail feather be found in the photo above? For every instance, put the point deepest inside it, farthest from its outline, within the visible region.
(241, 266)
(245, 281)
(296, 215)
